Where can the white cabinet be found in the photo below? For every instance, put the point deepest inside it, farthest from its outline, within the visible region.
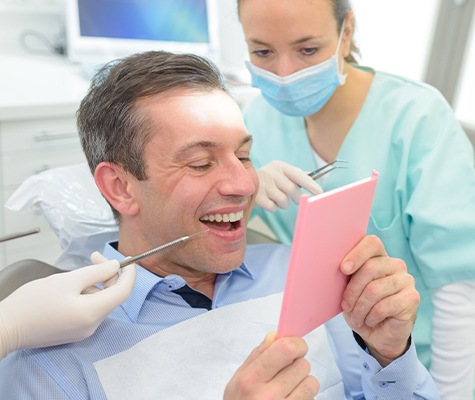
(38, 102)
(28, 147)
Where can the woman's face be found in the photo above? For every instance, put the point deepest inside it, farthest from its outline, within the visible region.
(286, 36)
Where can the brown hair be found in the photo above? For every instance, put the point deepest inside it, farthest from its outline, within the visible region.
(110, 125)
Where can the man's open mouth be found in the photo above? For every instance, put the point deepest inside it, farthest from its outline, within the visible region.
(223, 222)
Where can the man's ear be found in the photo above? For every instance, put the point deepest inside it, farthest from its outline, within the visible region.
(115, 185)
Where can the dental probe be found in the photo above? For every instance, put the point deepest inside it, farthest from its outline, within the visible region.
(130, 259)
(19, 235)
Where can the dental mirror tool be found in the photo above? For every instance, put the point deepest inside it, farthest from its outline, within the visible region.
(129, 260)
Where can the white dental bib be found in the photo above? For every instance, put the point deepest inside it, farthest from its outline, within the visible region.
(195, 359)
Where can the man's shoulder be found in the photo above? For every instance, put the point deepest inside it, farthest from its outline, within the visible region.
(112, 336)
(68, 368)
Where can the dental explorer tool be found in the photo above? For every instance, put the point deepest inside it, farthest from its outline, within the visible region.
(129, 260)
(19, 235)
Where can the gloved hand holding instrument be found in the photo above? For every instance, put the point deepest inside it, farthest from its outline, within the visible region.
(279, 181)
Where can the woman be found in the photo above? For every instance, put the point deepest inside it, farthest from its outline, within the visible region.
(62, 308)
(317, 105)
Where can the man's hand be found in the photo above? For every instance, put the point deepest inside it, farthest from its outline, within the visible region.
(380, 302)
(274, 370)
(279, 181)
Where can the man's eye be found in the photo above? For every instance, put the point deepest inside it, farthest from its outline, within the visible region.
(200, 167)
(245, 160)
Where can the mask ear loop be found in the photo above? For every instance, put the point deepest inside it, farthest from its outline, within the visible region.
(342, 63)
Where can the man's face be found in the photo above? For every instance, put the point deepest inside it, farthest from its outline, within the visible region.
(200, 177)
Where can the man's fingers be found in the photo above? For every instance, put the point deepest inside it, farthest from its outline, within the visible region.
(306, 390)
(369, 247)
(291, 379)
(401, 306)
(380, 277)
(277, 368)
(268, 340)
(280, 354)
(375, 269)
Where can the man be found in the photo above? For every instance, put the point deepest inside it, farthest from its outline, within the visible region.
(170, 153)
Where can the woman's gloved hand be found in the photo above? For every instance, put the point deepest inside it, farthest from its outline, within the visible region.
(278, 181)
(65, 307)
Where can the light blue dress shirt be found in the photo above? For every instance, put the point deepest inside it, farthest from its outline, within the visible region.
(67, 371)
(424, 206)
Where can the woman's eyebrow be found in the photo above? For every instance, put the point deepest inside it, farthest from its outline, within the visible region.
(307, 38)
(298, 41)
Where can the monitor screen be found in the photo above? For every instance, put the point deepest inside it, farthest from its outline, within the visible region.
(102, 30)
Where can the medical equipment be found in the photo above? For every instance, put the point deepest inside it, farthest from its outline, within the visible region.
(129, 260)
(19, 235)
(318, 173)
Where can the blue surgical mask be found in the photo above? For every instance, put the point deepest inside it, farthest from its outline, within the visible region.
(304, 92)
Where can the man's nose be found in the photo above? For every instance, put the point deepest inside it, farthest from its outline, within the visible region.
(237, 179)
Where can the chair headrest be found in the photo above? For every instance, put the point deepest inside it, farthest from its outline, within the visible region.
(71, 203)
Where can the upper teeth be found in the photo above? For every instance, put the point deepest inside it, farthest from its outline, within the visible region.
(231, 217)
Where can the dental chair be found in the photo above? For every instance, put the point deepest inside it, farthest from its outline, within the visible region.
(23, 271)
(71, 203)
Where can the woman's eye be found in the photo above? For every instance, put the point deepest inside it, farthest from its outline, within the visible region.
(260, 53)
(309, 51)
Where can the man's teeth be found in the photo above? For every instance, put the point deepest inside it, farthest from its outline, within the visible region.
(231, 217)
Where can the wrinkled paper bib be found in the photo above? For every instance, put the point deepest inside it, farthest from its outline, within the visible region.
(195, 359)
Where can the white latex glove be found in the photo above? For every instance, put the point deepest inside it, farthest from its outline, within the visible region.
(65, 307)
(278, 181)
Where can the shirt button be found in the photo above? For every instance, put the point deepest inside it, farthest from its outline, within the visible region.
(366, 366)
(383, 384)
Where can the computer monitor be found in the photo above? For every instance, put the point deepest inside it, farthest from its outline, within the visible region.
(102, 30)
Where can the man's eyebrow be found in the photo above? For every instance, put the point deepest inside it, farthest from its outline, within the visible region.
(204, 144)
(245, 140)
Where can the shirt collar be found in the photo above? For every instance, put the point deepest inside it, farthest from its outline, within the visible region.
(145, 281)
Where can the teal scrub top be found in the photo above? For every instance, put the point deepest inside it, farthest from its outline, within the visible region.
(424, 207)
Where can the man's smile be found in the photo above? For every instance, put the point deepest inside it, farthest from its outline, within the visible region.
(227, 222)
